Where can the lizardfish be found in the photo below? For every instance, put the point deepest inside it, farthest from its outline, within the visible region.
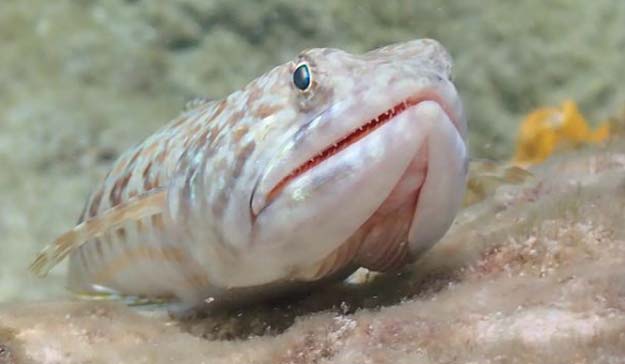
(327, 163)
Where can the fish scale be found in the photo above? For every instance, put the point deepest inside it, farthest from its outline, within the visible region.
(146, 167)
(361, 161)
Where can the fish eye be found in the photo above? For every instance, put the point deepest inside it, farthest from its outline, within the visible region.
(302, 77)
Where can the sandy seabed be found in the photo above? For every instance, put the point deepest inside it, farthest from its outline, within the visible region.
(533, 274)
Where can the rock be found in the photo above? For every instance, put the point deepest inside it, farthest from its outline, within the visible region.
(535, 273)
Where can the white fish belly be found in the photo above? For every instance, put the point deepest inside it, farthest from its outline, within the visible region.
(137, 260)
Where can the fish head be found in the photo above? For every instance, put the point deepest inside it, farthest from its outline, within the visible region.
(353, 139)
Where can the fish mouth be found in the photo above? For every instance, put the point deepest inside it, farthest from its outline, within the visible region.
(354, 136)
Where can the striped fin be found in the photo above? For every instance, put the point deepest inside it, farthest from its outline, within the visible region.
(197, 102)
(129, 300)
(147, 204)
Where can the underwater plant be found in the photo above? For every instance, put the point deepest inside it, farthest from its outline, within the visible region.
(549, 129)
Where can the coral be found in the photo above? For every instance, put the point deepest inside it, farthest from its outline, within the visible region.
(549, 129)
(543, 133)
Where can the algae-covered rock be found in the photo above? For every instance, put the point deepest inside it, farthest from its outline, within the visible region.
(535, 273)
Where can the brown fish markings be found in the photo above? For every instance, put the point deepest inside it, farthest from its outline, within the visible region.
(326, 163)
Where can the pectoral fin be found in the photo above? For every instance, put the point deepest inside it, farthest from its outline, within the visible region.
(485, 176)
(136, 208)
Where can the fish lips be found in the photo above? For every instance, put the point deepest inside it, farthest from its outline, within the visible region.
(320, 209)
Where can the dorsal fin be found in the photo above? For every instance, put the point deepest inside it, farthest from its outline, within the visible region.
(147, 204)
(196, 102)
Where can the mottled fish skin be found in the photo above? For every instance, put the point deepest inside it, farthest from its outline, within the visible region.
(228, 222)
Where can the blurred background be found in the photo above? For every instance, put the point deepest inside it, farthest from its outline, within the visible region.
(82, 80)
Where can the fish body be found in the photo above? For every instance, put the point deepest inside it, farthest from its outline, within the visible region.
(327, 163)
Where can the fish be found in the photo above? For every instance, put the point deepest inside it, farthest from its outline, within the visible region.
(325, 164)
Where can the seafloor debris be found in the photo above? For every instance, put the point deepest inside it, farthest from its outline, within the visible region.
(486, 176)
(549, 129)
